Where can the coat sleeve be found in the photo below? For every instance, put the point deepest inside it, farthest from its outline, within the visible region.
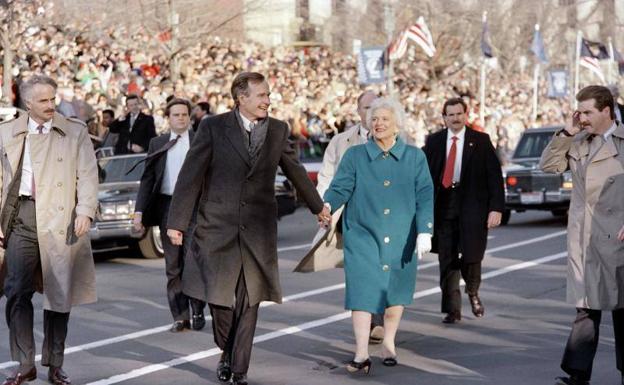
(495, 182)
(297, 174)
(424, 196)
(328, 169)
(343, 184)
(554, 158)
(147, 182)
(115, 126)
(191, 179)
(86, 176)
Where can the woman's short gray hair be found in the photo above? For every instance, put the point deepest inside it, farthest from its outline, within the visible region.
(388, 104)
(26, 87)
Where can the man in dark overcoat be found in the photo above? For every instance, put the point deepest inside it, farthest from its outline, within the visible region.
(469, 199)
(231, 167)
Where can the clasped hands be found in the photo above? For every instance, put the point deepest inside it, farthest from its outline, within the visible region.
(324, 217)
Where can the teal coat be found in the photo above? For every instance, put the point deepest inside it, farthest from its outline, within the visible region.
(388, 201)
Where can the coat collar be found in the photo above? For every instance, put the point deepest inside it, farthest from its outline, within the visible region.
(20, 126)
(235, 136)
(374, 151)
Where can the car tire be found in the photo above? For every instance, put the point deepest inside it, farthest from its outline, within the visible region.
(151, 244)
(505, 217)
(559, 212)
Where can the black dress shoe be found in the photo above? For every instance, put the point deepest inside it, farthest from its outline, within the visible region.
(179, 326)
(199, 321)
(239, 379)
(477, 306)
(57, 376)
(224, 373)
(18, 378)
(452, 317)
(572, 380)
(389, 361)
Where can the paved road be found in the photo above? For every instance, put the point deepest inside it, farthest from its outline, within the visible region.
(124, 338)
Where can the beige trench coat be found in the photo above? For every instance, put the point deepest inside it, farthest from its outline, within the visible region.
(595, 278)
(66, 181)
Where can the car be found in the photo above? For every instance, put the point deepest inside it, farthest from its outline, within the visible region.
(529, 188)
(112, 228)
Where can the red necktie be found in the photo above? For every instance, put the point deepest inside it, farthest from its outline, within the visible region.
(449, 168)
(33, 191)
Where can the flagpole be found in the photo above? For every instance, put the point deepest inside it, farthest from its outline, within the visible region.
(611, 62)
(389, 24)
(535, 84)
(482, 85)
(579, 37)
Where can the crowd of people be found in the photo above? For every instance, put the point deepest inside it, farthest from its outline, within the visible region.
(313, 89)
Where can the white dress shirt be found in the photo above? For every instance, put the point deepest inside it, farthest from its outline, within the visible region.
(459, 144)
(247, 123)
(175, 158)
(27, 172)
(607, 134)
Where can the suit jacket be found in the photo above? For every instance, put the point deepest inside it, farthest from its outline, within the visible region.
(151, 182)
(481, 188)
(595, 277)
(237, 211)
(142, 132)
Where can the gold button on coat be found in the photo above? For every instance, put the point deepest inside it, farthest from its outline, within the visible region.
(386, 183)
(385, 267)
(387, 240)
(386, 211)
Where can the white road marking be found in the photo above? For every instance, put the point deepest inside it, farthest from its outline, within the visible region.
(301, 327)
(305, 294)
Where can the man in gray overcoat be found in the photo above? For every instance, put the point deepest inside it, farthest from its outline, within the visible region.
(49, 184)
(230, 170)
(592, 147)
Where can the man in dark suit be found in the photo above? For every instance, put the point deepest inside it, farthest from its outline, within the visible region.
(231, 168)
(469, 200)
(135, 129)
(163, 163)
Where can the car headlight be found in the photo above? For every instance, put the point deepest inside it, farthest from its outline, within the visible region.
(567, 181)
(117, 210)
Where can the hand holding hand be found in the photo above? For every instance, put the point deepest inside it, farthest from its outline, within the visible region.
(81, 225)
(494, 219)
(423, 244)
(324, 217)
(175, 236)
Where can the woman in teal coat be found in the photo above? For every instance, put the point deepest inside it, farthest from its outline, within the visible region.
(387, 191)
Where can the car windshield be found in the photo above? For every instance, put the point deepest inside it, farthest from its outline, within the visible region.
(114, 169)
(532, 145)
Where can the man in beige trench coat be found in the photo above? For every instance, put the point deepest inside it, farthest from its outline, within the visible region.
(48, 182)
(592, 147)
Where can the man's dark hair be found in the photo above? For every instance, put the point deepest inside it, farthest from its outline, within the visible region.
(110, 112)
(240, 85)
(132, 96)
(454, 102)
(602, 98)
(204, 106)
(175, 102)
(359, 99)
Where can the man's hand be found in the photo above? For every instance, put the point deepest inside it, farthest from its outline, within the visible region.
(137, 222)
(573, 124)
(620, 234)
(136, 148)
(423, 244)
(494, 219)
(175, 236)
(81, 225)
(324, 217)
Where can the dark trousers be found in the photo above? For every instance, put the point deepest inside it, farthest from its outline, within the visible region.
(174, 265)
(23, 263)
(451, 266)
(234, 328)
(580, 350)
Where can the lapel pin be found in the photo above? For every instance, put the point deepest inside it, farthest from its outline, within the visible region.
(470, 144)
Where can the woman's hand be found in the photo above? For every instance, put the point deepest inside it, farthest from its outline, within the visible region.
(423, 244)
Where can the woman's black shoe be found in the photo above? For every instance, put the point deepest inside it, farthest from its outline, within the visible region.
(390, 361)
(354, 367)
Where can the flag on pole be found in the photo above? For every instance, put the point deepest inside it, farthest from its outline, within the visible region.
(591, 54)
(486, 48)
(421, 35)
(617, 57)
(537, 46)
(398, 47)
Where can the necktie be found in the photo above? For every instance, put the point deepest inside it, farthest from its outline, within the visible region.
(33, 188)
(595, 144)
(156, 153)
(449, 168)
(252, 125)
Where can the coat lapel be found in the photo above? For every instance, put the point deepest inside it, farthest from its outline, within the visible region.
(265, 149)
(469, 145)
(235, 136)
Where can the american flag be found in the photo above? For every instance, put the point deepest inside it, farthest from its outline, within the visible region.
(398, 47)
(591, 54)
(421, 35)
